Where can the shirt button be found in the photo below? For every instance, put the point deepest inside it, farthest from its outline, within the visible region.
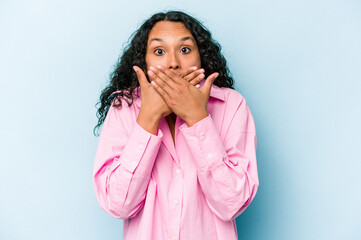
(202, 137)
(173, 238)
(178, 170)
(140, 146)
(209, 155)
(176, 202)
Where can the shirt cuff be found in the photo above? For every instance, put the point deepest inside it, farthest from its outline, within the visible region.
(140, 151)
(204, 142)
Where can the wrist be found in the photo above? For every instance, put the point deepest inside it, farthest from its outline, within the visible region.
(148, 122)
(193, 119)
(149, 114)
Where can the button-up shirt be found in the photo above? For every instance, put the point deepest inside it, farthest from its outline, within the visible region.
(193, 189)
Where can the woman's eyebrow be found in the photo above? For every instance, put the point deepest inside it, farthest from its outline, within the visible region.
(185, 39)
(180, 40)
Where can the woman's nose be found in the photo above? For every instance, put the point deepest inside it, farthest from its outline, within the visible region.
(173, 61)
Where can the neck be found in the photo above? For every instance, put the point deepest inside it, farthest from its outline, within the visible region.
(171, 117)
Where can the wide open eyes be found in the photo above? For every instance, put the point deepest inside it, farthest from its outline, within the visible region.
(185, 50)
(160, 51)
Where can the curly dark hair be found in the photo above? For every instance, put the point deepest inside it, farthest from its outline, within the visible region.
(124, 80)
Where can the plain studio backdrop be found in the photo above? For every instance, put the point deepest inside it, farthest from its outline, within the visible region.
(297, 63)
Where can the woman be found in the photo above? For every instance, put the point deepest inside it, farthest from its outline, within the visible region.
(176, 157)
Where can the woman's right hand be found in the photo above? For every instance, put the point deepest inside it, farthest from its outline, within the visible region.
(153, 107)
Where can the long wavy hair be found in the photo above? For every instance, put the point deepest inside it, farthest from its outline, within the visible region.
(123, 79)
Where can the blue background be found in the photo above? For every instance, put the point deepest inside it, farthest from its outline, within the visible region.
(298, 64)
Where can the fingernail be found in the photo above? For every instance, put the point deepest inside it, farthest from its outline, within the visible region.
(151, 68)
(150, 73)
(201, 70)
(193, 68)
(159, 66)
(198, 86)
(135, 69)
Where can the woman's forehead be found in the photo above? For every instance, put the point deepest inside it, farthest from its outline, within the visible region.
(169, 30)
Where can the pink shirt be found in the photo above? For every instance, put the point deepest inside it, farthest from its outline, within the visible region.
(193, 190)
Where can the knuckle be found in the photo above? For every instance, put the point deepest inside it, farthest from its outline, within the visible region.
(166, 79)
(171, 103)
(172, 74)
(160, 83)
(176, 90)
(179, 91)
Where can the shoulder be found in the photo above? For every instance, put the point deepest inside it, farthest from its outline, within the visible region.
(234, 95)
(237, 115)
(228, 95)
(234, 103)
(122, 111)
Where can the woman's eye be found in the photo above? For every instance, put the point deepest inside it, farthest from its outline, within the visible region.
(158, 51)
(185, 50)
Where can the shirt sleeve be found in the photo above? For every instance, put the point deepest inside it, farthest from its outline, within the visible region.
(227, 169)
(123, 163)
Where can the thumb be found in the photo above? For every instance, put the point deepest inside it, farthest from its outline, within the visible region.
(142, 79)
(206, 89)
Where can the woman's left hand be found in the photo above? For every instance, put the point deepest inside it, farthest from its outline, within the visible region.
(185, 100)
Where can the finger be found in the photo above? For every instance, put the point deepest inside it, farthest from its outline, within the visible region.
(169, 75)
(164, 77)
(191, 76)
(197, 80)
(206, 89)
(190, 70)
(160, 83)
(160, 91)
(142, 79)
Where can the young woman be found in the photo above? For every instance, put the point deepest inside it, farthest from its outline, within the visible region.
(176, 157)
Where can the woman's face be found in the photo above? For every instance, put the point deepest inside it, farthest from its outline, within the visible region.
(171, 44)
